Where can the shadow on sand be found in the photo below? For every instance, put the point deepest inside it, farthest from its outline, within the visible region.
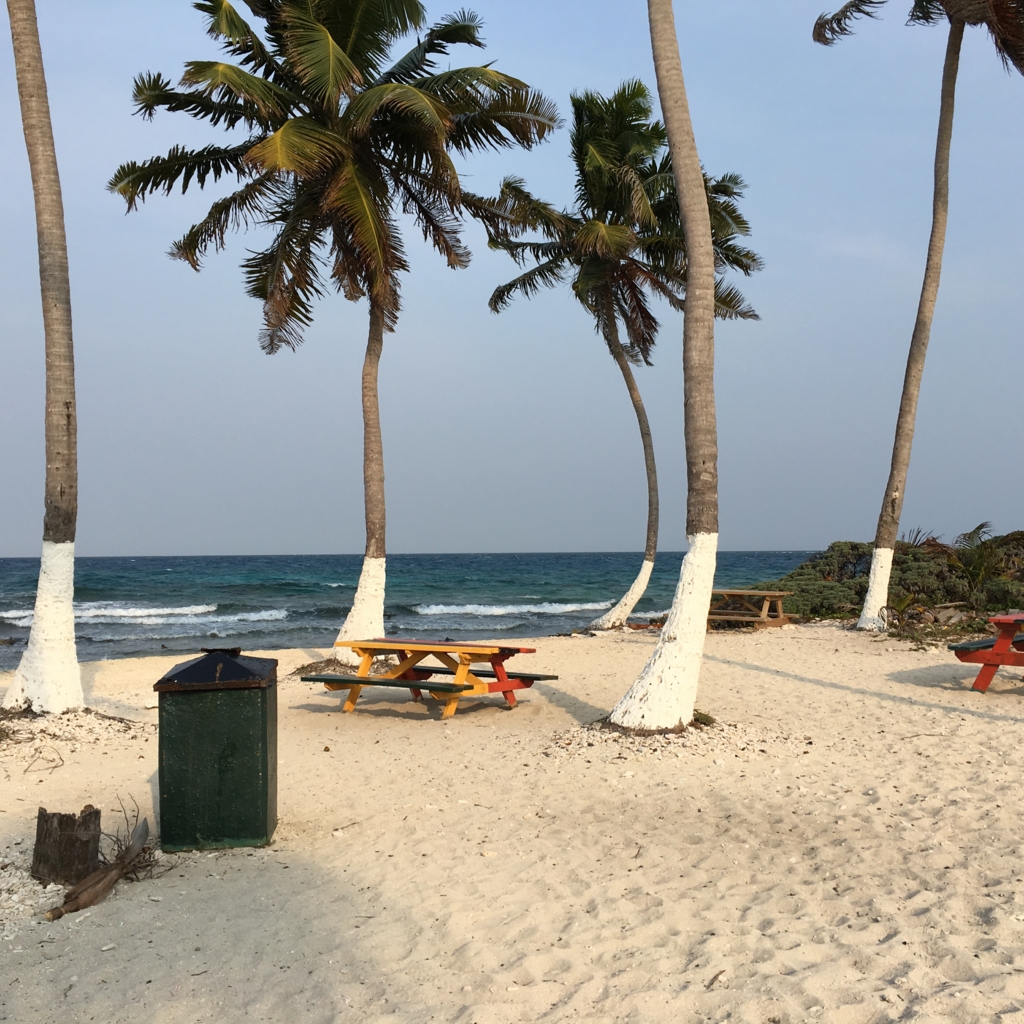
(938, 680)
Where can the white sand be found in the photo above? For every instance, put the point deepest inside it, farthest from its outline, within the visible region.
(848, 851)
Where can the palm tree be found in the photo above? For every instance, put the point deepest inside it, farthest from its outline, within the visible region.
(665, 691)
(1005, 22)
(336, 143)
(48, 676)
(622, 241)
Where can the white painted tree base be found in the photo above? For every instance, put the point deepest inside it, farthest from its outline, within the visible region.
(615, 618)
(665, 691)
(48, 678)
(366, 619)
(872, 616)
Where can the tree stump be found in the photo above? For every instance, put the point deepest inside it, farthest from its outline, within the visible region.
(67, 847)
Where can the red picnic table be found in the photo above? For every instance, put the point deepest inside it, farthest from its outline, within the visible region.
(1006, 649)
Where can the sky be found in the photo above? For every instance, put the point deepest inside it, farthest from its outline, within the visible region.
(514, 432)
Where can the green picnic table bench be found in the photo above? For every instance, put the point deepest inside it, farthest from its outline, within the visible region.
(402, 684)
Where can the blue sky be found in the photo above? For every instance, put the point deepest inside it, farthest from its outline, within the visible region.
(514, 432)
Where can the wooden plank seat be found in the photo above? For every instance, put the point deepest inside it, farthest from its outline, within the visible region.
(984, 645)
(485, 673)
(757, 608)
(333, 682)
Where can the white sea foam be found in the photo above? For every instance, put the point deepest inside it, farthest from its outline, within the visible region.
(21, 617)
(111, 609)
(110, 613)
(545, 608)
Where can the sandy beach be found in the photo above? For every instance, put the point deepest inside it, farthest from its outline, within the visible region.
(845, 847)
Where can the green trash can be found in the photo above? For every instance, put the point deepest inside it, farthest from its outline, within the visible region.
(218, 751)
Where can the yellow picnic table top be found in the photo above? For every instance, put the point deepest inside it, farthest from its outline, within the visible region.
(458, 657)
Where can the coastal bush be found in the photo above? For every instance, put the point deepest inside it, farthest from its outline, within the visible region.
(983, 572)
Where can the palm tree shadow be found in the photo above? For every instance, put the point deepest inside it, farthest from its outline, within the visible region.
(994, 714)
(89, 670)
(405, 711)
(582, 711)
(957, 678)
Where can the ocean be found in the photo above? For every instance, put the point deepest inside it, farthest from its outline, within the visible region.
(129, 607)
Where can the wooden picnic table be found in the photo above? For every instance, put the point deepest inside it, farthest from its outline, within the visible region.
(457, 661)
(1005, 649)
(757, 608)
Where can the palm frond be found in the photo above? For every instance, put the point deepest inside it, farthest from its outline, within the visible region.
(152, 91)
(405, 100)
(514, 211)
(219, 80)
(730, 256)
(363, 203)
(608, 241)
(433, 215)
(225, 25)
(286, 275)
(544, 275)
(134, 181)
(366, 29)
(241, 209)
(634, 310)
(670, 287)
(830, 28)
(511, 117)
(730, 303)
(324, 68)
(300, 146)
(926, 12)
(463, 27)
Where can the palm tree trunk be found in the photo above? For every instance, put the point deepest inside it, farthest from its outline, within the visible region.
(663, 695)
(873, 614)
(365, 621)
(48, 677)
(617, 616)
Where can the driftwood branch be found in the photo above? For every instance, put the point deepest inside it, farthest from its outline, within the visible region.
(98, 885)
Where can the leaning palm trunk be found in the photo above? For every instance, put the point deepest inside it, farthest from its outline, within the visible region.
(873, 614)
(48, 677)
(365, 621)
(617, 616)
(664, 694)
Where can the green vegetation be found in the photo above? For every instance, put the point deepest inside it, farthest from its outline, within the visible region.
(978, 573)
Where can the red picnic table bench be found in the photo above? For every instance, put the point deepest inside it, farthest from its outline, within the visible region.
(1005, 649)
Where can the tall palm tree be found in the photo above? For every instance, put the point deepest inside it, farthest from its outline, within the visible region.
(1005, 21)
(622, 241)
(336, 143)
(665, 691)
(48, 677)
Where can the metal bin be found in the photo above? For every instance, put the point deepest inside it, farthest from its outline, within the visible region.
(218, 751)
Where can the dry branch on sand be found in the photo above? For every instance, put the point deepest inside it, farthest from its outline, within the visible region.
(97, 886)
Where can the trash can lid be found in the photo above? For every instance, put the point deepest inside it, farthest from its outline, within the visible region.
(220, 668)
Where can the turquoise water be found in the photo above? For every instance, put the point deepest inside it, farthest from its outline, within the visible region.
(127, 607)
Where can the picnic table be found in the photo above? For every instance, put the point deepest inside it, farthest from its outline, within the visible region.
(757, 608)
(457, 675)
(1005, 649)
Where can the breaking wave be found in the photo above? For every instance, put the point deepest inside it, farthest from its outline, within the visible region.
(545, 608)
